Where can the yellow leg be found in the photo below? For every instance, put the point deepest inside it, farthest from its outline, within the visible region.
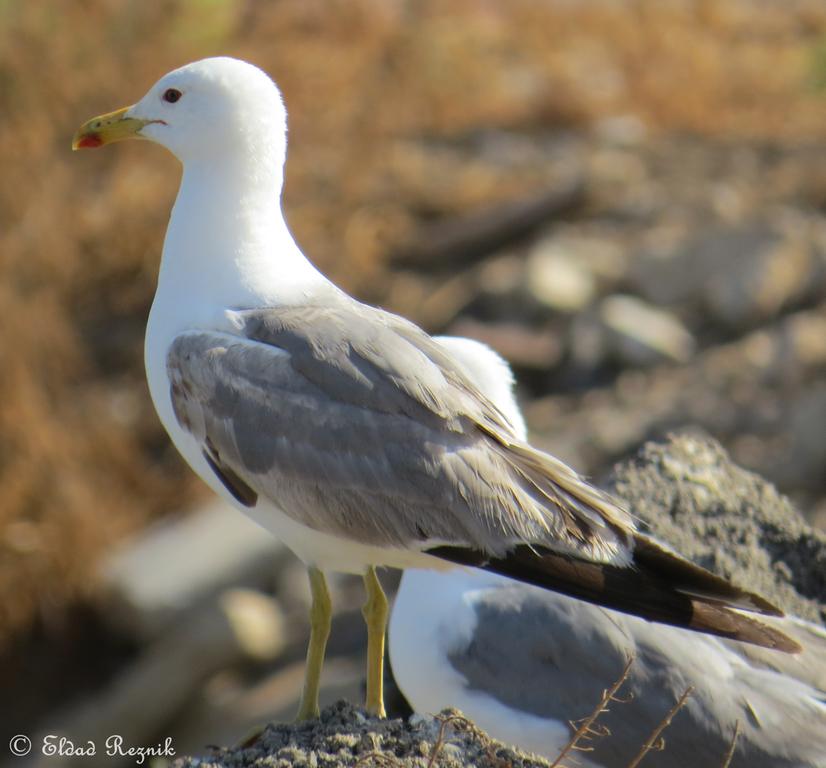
(375, 616)
(320, 615)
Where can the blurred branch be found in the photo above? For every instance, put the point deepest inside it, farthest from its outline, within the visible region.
(466, 239)
(241, 625)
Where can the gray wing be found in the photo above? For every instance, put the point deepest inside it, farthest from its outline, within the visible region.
(358, 424)
(552, 656)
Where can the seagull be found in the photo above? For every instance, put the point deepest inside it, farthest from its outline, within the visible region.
(345, 430)
(523, 662)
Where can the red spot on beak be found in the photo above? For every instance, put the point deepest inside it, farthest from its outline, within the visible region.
(90, 141)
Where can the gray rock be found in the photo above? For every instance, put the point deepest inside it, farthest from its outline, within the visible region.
(155, 578)
(758, 395)
(557, 279)
(240, 627)
(807, 420)
(739, 274)
(688, 492)
(642, 335)
(621, 131)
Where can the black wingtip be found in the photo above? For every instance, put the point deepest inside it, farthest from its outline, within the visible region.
(681, 596)
(693, 580)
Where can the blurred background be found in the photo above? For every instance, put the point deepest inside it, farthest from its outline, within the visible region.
(626, 199)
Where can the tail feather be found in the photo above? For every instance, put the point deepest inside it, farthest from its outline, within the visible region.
(657, 585)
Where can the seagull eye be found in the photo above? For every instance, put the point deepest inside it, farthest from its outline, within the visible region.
(172, 95)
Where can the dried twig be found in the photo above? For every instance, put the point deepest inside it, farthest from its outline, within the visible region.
(585, 727)
(471, 237)
(380, 758)
(654, 741)
(440, 739)
(495, 760)
(733, 744)
(391, 761)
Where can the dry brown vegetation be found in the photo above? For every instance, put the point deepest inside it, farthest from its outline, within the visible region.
(82, 458)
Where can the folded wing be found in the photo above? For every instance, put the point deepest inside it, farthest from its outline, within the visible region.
(360, 425)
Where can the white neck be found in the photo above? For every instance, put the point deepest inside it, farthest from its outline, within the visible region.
(228, 245)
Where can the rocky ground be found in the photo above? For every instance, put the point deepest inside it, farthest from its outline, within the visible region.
(345, 736)
(683, 284)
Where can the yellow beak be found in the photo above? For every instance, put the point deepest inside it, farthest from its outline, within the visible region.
(108, 128)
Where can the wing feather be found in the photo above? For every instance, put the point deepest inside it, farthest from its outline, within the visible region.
(358, 423)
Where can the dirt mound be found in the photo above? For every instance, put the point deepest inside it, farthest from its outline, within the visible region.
(688, 492)
(346, 736)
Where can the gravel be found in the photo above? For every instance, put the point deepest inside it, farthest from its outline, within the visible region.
(346, 736)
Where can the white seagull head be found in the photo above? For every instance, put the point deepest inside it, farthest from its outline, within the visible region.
(208, 111)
